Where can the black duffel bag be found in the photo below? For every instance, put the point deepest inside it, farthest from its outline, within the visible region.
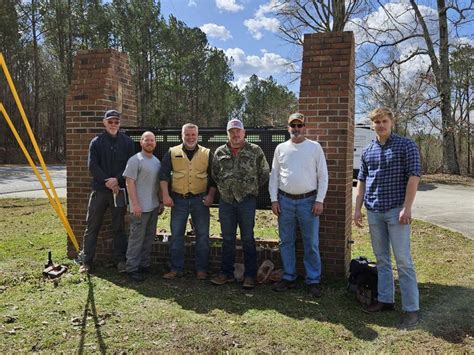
(363, 280)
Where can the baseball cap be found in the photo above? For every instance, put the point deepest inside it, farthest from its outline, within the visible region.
(235, 123)
(112, 114)
(296, 117)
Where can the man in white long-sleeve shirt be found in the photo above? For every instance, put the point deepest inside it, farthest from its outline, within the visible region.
(298, 186)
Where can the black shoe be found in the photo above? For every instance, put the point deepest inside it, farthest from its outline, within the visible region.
(315, 290)
(409, 320)
(136, 276)
(144, 270)
(379, 307)
(283, 285)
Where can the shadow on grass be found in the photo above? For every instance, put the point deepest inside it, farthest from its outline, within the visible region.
(447, 312)
(91, 311)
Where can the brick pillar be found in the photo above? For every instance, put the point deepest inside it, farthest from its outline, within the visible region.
(101, 81)
(327, 100)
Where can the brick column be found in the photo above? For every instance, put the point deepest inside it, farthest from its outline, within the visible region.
(101, 80)
(327, 100)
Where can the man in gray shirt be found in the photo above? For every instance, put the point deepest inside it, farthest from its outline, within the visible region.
(141, 176)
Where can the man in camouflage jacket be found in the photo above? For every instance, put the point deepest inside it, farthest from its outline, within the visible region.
(239, 168)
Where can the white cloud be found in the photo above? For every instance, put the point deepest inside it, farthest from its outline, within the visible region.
(261, 22)
(216, 31)
(463, 41)
(228, 5)
(263, 66)
(192, 3)
(257, 24)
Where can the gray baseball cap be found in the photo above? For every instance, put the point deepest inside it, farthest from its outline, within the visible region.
(112, 114)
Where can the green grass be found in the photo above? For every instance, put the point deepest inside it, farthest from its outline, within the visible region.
(107, 313)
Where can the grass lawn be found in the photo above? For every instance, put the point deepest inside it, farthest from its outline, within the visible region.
(108, 313)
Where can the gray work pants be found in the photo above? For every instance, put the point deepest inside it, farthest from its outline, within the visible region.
(99, 201)
(142, 233)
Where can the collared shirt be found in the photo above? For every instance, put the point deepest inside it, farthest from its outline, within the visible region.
(166, 166)
(241, 175)
(385, 168)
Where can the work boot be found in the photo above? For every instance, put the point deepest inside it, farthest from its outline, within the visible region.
(222, 279)
(283, 285)
(121, 267)
(315, 290)
(172, 275)
(136, 276)
(379, 307)
(409, 320)
(201, 275)
(144, 269)
(249, 283)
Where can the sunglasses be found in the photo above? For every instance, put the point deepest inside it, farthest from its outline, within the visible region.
(113, 122)
(299, 125)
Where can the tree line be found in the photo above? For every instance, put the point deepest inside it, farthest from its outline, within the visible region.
(433, 103)
(177, 75)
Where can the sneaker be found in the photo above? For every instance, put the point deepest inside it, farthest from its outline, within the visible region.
(172, 275)
(379, 307)
(409, 320)
(136, 276)
(201, 275)
(249, 283)
(315, 290)
(84, 269)
(283, 285)
(121, 267)
(222, 279)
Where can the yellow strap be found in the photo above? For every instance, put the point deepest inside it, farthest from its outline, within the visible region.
(55, 202)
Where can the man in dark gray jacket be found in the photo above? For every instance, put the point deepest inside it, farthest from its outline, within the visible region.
(108, 156)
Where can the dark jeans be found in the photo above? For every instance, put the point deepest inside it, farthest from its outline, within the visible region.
(99, 201)
(241, 214)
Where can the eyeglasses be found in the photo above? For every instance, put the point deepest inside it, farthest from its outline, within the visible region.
(113, 122)
(299, 125)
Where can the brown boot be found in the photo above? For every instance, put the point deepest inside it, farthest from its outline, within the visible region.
(249, 283)
(201, 275)
(222, 279)
(409, 320)
(379, 307)
(172, 275)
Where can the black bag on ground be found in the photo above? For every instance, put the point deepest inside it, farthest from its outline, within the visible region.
(363, 280)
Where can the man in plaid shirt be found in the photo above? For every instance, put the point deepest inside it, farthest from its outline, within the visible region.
(387, 183)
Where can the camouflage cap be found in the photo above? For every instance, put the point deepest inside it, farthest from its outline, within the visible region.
(296, 117)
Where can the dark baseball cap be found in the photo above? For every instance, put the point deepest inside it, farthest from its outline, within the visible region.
(112, 114)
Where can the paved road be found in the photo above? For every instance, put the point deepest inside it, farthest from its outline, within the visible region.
(20, 181)
(449, 206)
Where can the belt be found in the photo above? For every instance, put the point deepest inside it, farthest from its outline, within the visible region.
(187, 195)
(300, 196)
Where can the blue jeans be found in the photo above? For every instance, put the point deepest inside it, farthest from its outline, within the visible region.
(242, 214)
(291, 212)
(183, 207)
(386, 230)
(142, 234)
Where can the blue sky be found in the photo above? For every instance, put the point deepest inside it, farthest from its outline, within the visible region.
(247, 31)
